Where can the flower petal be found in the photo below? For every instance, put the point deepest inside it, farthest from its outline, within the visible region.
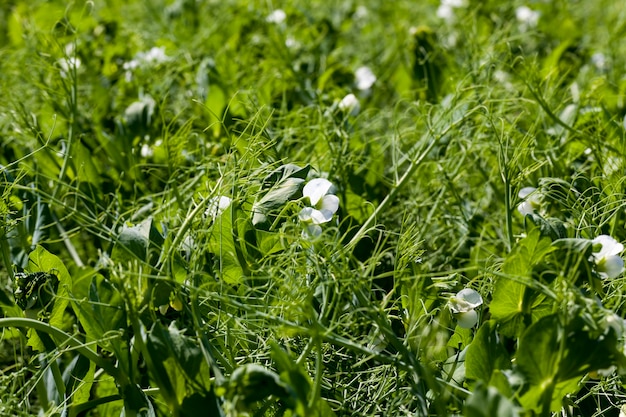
(467, 320)
(365, 78)
(609, 247)
(610, 266)
(320, 216)
(316, 189)
(525, 208)
(311, 231)
(305, 214)
(329, 203)
(217, 205)
(470, 296)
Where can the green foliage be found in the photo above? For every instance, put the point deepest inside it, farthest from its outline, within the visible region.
(157, 257)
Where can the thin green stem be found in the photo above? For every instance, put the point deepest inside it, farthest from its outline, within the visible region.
(68, 339)
(404, 180)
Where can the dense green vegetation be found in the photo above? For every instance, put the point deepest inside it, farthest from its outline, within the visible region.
(312, 208)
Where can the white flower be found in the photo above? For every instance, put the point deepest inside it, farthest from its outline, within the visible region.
(365, 78)
(445, 12)
(462, 306)
(350, 104)
(454, 3)
(216, 206)
(154, 56)
(532, 200)
(526, 16)
(608, 262)
(324, 205)
(446, 9)
(146, 151)
(599, 61)
(68, 65)
(278, 16)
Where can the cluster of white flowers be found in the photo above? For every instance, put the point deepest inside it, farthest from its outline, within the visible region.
(447, 7)
(606, 250)
(324, 204)
(277, 17)
(152, 57)
(364, 79)
(463, 306)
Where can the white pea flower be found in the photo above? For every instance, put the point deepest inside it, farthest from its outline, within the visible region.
(532, 200)
(324, 205)
(350, 104)
(446, 9)
(68, 65)
(147, 151)
(462, 306)
(216, 206)
(609, 264)
(599, 61)
(365, 78)
(278, 16)
(527, 17)
(152, 57)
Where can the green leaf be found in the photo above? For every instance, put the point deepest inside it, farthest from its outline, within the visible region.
(222, 244)
(551, 228)
(485, 354)
(512, 299)
(534, 398)
(251, 383)
(78, 377)
(42, 260)
(85, 165)
(197, 404)
(553, 356)
(136, 402)
(142, 242)
(283, 184)
(538, 352)
(488, 402)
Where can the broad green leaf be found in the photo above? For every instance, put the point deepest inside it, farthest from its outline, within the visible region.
(42, 260)
(136, 402)
(554, 357)
(485, 354)
(538, 351)
(215, 104)
(85, 165)
(142, 242)
(512, 300)
(488, 402)
(251, 383)
(551, 228)
(177, 365)
(107, 387)
(283, 184)
(534, 398)
(197, 404)
(585, 352)
(222, 244)
(78, 377)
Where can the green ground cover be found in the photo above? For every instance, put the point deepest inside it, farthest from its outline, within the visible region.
(312, 208)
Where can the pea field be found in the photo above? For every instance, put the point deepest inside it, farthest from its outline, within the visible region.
(312, 208)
